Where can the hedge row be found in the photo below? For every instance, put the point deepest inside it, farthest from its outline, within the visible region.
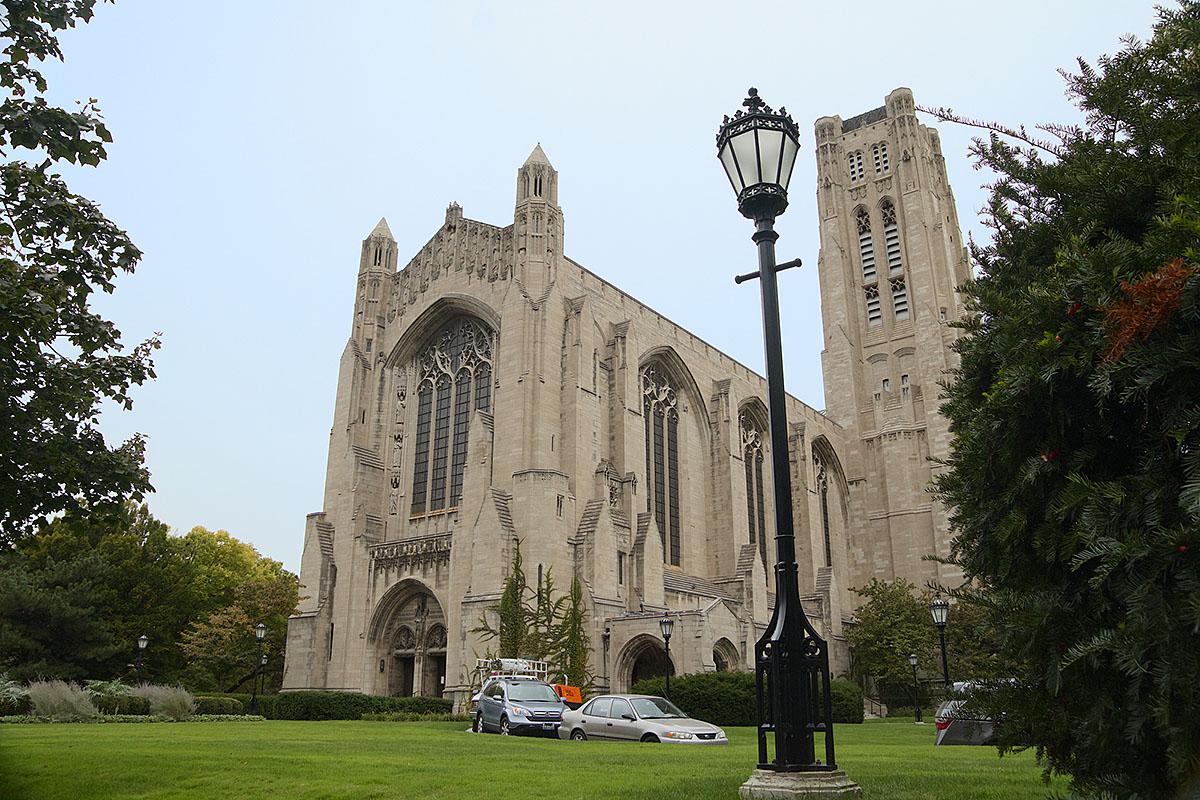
(728, 698)
(124, 705)
(350, 705)
(219, 704)
(266, 702)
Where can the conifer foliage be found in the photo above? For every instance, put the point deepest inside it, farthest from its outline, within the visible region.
(1074, 477)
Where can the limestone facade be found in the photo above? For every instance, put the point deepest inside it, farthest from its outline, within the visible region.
(493, 391)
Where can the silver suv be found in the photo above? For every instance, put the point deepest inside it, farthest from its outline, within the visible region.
(515, 705)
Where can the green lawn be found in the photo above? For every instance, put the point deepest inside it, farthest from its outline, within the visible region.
(431, 761)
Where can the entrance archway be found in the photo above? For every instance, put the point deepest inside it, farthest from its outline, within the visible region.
(410, 631)
(725, 656)
(643, 657)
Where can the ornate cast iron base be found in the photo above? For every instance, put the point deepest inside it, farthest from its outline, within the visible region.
(770, 785)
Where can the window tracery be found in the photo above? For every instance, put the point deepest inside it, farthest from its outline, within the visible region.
(899, 299)
(874, 310)
(661, 413)
(753, 455)
(454, 377)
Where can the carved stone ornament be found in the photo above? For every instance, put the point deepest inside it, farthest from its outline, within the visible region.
(406, 639)
(408, 554)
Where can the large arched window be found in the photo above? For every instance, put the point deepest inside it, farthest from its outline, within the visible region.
(866, 246)
(661, 411)
(454, 376)
(753, 455)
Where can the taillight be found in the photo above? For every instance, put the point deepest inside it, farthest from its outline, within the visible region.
(941, 724)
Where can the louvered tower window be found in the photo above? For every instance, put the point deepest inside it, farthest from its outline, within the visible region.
(753, 455)
(879, 153)
(874, 310)
(866, 246)
(899, 299)
(855, 161)
(661, 412)
(891, 237)
(454, 378)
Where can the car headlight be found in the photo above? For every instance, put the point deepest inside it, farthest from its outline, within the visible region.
(678, 735)
(720, 734)
(520, 712)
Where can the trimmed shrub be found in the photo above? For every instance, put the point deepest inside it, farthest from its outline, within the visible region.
(266, 702)
(14, 698)
(847, 701)
(406, 716)
(722, 698)
(174, 702)
(226, 718)
(727, 698)
(210, 705)
(351, 705)
(106, 688)
(61, 701)
(126, 705)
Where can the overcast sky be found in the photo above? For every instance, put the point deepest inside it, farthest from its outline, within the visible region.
(257, 143)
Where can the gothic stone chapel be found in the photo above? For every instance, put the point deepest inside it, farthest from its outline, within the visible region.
(495, 391)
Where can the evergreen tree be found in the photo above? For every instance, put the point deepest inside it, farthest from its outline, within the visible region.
(511, 631)
(1074, 476)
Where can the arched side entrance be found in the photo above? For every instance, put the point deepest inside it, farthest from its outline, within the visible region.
(642, 657)
(409, 629)
(725, 656)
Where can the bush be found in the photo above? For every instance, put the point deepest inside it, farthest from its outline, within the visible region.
(126, 705)
(847, 700)
(106, 688)
(408, 716)
(174, 702)
(351, 705)
(61, 701)
(210, 705)
(14, 698)
(728, 698)
(226, 718)
(722, 698)
(266, 702)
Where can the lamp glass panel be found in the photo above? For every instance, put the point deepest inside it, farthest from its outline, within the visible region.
(769, 152)
(790, 148)
(747, 158)
(731, 168)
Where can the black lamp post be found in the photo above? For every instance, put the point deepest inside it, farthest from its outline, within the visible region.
(142, 641)
(667, 626)
(758, 147)
(939, 607)
(260, 633)
(912, 659)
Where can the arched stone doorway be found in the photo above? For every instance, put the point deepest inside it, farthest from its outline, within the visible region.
(643, 657)
(411, 635)
(725, 656)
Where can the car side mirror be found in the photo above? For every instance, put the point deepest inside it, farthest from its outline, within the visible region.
(629, 717)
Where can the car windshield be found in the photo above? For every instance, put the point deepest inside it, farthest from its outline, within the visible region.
(531, 692)
(655, 708)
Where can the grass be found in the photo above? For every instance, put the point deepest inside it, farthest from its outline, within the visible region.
(440, 761)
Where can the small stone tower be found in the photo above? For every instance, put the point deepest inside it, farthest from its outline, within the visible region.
(538, 224)
(891, 258)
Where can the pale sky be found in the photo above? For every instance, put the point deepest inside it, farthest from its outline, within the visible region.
(257, 143)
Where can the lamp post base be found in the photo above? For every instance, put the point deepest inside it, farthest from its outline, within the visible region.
(766, 784)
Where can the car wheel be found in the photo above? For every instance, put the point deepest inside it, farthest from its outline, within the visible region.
(578, 735)
(504, 726)
(477, 724)
(650, 737)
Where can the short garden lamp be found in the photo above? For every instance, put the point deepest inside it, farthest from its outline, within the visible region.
(939, 608)
(667, 626)
(260, 633)
(142, 641)
(912, 660)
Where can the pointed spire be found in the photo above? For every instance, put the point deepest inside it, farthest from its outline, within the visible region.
(382, 230)
(538, 156)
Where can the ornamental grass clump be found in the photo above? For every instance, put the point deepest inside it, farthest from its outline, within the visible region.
(173, 702)
(61, 701)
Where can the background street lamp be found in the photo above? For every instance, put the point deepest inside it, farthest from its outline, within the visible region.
(912, 659)
(758, 147)
(260, 633)
(142, 641)
(939, 607)
(667, 626)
